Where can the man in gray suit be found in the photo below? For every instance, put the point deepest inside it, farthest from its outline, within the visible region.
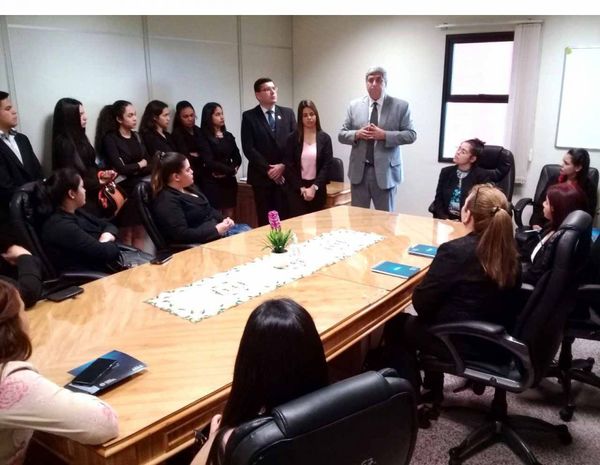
(376, 126)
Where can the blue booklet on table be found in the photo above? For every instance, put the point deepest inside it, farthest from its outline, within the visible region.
(423, 250)
(395, 269)
(119, 366)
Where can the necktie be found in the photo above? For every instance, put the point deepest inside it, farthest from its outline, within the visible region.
(371, 143)
(271, 120)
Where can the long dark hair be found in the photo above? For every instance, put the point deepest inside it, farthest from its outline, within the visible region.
(14, 341)
(60, 183)
(492, 222)
(66, 122)
(152, 111)
(206, 124)
(107, 121)
(301, 106)
(280, 358)
(165, 164)
(581, 157)
(182, 105)
(564, 198)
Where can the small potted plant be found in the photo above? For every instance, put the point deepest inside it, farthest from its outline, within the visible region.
(278, 240)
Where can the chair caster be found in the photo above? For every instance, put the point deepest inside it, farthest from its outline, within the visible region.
(563, 435)
(454, 453)
(566, 413)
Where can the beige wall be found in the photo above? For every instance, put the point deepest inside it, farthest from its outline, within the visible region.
(99, 59)
(332, 53)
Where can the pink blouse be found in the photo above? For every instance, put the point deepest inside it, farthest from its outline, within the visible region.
(308, 161)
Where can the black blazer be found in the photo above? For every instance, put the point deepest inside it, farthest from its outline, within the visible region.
(293, 163)
(447, 182)
(184, 218)
(26, 277)
(533, 271)
(155, 142)
(187, 144)
(71, 241)
(124, 154)
(261, 146)
(221, 156)
(13, 173)
(456, 288)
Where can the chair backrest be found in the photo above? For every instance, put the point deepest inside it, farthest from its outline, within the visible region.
(366, 419)
(29, 208)
(336, 170)
(540, 324)
(501, 163)
(550, 173)
(143, 200)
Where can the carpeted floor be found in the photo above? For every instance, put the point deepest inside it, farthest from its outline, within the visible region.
(544, 402)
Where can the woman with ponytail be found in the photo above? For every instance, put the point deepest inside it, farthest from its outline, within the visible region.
(475, 277)
(122, 149)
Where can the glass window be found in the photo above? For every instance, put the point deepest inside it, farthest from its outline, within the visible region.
(477, 75)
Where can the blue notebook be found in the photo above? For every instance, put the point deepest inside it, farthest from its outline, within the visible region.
(125, 367)
(423, 250)
(395, 269)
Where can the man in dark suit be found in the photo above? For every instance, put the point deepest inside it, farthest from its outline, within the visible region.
(265, 129)
(18, 163)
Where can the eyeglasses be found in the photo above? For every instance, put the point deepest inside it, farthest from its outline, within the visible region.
(269, 89)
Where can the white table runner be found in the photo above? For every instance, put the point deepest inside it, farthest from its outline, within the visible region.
(210, 296)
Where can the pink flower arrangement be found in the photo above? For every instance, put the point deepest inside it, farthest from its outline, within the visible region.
(277, 240)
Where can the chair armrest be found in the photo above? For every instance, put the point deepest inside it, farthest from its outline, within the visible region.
(489, 332)
(589, 293)
(518, 210)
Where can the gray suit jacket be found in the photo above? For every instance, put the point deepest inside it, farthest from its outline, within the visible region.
(394, 118)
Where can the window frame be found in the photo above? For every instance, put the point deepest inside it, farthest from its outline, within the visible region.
(447, 97)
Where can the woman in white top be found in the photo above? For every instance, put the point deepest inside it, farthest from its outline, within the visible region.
(30, 402)
(307, 160)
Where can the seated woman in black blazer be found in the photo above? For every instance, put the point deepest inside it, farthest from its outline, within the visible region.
(307, 159)
(186, 136)
(222, 159)
(475, 277)
(183, 213)
(74, 239)
(561, 199)
(153, 128)
(72, 149)
(456, 181)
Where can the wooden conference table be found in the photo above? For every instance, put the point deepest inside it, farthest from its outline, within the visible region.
(190, 365)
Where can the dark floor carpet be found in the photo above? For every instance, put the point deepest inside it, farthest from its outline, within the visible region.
(464, 411)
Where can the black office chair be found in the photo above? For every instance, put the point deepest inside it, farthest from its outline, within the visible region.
(583, 323)
(29, 208)
(367, 419)
(500, 164)
(143, 200)
(336, 170)
(529, 348)
(548, 175)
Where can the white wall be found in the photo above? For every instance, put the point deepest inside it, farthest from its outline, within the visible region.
(100, 59)
(331, 55)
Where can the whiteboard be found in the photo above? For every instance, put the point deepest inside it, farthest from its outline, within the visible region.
(578, 123)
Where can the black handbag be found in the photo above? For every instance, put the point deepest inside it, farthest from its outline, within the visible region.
(129, 257)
